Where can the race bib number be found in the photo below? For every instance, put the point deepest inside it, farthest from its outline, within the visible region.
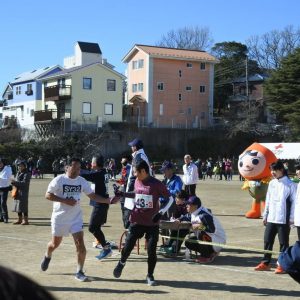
(143, 201)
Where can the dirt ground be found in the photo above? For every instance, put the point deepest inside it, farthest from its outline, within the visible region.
(230, 276)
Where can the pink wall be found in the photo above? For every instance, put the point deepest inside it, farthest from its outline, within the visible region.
(167, 71)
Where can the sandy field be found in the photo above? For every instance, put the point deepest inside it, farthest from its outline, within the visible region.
(230, 276)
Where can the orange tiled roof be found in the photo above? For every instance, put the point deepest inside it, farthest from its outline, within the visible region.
(177, 53)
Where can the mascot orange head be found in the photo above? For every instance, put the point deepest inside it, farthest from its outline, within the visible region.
(254, 162)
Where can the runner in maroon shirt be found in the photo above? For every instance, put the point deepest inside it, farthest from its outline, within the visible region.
(144, 217)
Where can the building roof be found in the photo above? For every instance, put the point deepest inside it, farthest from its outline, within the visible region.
(171, 53)
(255, 77)
(68, 72)
(89, 47)
(33, 75)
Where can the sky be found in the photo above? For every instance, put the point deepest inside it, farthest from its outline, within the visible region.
(37, 34)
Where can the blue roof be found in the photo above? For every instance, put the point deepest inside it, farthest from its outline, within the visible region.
(32, 75)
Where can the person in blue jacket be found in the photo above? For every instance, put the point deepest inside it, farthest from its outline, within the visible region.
(289, 261)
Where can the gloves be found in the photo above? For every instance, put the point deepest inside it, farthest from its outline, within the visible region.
(156, 217)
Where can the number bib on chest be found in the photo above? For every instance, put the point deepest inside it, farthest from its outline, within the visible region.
(143, 201)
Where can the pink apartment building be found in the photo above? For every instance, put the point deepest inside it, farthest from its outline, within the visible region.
(169, 87)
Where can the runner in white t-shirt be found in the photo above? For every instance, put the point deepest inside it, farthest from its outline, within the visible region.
(65, 191)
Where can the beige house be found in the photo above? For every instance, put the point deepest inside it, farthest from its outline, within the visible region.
(82, 96)
(169, 87)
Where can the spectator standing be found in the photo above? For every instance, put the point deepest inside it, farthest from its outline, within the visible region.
(5, 176)
(278, 214)
(125, 170)
(190, 175)
(21, 182)
(40, 165)
(138, 154)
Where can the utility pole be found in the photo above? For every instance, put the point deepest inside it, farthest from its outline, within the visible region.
(247, 86)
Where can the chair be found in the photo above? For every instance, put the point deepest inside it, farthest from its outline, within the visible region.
(137, 245)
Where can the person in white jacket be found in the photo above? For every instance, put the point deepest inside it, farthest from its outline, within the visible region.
(278, 214)
(190, 175)
(5, 187)
(296, 211)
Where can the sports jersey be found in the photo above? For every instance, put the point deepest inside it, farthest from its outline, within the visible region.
(146, 202)
(65, 187)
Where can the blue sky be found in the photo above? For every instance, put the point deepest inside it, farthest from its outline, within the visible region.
(37, 34)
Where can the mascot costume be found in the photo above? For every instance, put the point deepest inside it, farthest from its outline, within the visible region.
(254, 165)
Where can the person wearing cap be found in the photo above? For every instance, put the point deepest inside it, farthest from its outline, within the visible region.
(278, 214)
(21, 182)
(138, 154)
(144, 217)
(5, 175)
(99, 179)
(206, 228)
(190, 175)
(289, 261)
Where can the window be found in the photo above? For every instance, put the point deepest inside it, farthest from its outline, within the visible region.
(188, 88)
(137, 64)
(179, 97)
(134, 87)
(108, 109)
(160, 86)
(140, 63)
(87, 83)
(161, 109)
(202, 66)
(189, 111)
(29, 89)
(140, 87)
(189, 65)
(202, 88)
(31, 112)
(61, 82)
(86, 108)
(111, 85)
(18, 90)
(180, 73)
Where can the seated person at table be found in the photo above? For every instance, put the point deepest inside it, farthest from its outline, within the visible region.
(206, 228)
(173, 245)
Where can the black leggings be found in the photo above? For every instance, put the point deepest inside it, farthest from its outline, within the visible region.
(205, 250)
(98, 218)
(136, 232)
(272, 229)
(3, 202)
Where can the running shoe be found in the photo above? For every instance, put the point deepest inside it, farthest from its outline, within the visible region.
(203, 260)
(279, 270)
(80, 276)
(105, 253)
(45, 263)
(97, 245)
(118, 270)
(150, 280)
(262, 267)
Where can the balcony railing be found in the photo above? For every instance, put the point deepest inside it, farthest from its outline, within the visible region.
(51, 115)
(58, 92)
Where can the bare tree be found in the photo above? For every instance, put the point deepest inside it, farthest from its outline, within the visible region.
(193, 38)
(269, 49)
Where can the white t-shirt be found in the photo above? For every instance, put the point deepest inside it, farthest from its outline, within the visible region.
(65, 187)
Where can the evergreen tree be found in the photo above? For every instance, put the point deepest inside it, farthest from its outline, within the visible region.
(283, 92)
